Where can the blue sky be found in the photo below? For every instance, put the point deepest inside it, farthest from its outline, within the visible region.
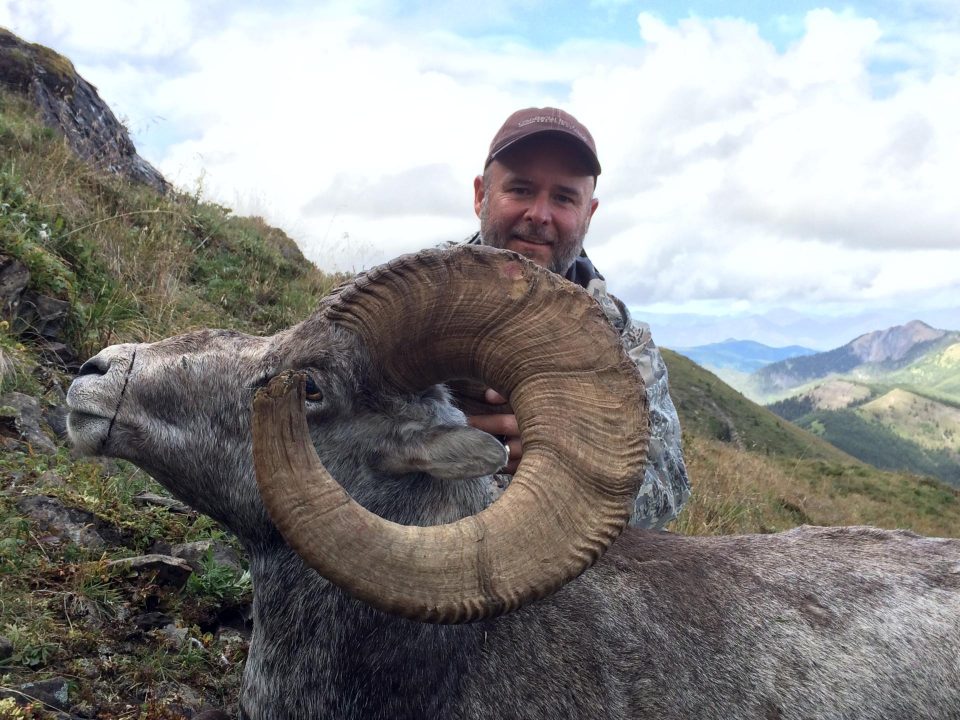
(778, 171)
(547, 26)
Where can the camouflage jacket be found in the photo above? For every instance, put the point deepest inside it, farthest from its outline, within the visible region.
(665, 486)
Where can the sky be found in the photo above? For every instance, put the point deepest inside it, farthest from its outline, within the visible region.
(784, 172)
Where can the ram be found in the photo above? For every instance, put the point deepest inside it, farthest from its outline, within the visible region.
(388, 585)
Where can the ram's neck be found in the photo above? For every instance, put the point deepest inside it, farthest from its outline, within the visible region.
(411, 499)
(316, 652)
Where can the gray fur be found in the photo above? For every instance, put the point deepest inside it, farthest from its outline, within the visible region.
(812, 623)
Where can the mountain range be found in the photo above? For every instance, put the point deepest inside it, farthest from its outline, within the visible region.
(872, 355)
(890, 397)
(741, 355)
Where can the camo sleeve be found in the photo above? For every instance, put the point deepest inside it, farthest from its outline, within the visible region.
(665, 487)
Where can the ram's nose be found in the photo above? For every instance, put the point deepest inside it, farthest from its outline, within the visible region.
(96, 387)
(108, 358)
(94, 366)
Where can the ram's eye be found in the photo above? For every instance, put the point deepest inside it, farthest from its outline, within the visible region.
(313, 392)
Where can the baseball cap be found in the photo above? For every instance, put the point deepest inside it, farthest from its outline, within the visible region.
(532, 121)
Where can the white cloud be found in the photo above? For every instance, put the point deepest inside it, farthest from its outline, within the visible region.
(106, 27)
(774, 177)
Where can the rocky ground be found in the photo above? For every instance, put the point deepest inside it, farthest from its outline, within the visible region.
(116, 601)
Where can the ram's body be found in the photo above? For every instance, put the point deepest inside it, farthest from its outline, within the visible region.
(813, 623)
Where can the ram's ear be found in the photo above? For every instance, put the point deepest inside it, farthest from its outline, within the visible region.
(452, 452)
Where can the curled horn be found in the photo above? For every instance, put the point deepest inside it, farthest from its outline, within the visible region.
(579, 400)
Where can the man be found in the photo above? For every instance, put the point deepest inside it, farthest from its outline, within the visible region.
(536, 197)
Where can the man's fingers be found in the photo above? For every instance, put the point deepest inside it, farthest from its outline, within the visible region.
(495, 424)
(515, 448)
(493, 397)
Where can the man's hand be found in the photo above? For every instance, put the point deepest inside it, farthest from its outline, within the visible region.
(503, 426)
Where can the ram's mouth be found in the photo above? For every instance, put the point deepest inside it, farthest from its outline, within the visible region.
(88, 431)
(84, 415)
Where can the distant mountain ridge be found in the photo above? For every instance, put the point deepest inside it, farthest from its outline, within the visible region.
(894, 343)
(874, 353)
(741, 355)
(936, 373)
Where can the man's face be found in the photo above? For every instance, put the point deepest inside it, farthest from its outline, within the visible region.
(537, 200)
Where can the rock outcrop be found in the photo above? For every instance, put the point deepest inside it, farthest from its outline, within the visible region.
(34, 316)
(71, 106)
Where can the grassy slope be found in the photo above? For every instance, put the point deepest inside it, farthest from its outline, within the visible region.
(710, 408)
(930, 424)
(890, 428)
(743, 492)
(787, 476)
(878, 445)
(937, 374)
(133, 265)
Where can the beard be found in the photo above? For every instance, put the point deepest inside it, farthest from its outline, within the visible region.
(564, 247)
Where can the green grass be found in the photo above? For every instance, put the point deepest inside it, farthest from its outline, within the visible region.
(752, 471)
(743, 492)
(133, 265)
(936, 374)
(60, 605)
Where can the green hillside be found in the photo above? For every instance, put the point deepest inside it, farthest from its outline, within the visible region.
(710, 408)
(132, 265)
(736, 492)
(880, 446)
(936, 374)
(121, 263)
(889, 425)
(790, 476)
(929, 423)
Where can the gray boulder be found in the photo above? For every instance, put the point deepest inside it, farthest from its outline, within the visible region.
(71, 106)
(54, 692)
(20, 415)
(66, 523)
(14, 277)
(164, 569)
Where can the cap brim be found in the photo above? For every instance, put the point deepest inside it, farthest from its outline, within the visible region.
(592, 162)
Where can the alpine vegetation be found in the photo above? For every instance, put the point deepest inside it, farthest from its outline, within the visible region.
(388, 585)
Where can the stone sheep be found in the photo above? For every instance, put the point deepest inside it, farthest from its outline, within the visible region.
(388, 586)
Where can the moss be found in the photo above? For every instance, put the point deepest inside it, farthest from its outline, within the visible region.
(54, 63)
